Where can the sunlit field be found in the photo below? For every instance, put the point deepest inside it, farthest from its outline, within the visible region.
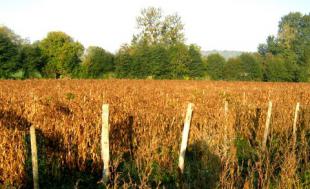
(225, 150)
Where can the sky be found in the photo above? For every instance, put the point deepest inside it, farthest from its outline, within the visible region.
(211, 24)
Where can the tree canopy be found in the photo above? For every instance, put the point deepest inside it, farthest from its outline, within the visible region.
(158, 50)
(291, 47)
(155, 28)
(9, 53)
(215, 66)
(97, 62)
(62, 54)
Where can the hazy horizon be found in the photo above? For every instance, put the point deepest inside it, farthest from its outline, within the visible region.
(222, 25)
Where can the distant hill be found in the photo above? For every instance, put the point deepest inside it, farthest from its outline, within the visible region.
(226, 54)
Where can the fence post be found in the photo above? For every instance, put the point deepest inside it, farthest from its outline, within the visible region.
(266, 132)
(34, 157)
(185, 133)
(244, 99)
(225, 126)
(295, 124)
(225, 109)
(105, 150)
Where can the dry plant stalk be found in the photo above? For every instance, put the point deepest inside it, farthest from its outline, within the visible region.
(145, 122)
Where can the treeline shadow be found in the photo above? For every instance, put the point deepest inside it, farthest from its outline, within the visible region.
(249, 152)
(56, 174)
(52, 172)
(11, 120)
(202, 167)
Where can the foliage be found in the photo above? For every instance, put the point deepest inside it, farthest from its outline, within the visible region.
(232, 69)
(251, 70)
(9, 53)
(32, 61)
(215, 66)
(278, 69)
(97, 62)
(158, 51)
(62, 54)
(243, 68)
(143, 61)
(293, 45)
(179, 59)
(14, 38)
(196, 68)
(123, 63)
(155, 29)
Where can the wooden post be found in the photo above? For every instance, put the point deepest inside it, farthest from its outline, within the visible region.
(225, 126)
(34, 157)
(185, 133)
(295, 124)
(266, 132)
(225, 109)
(244, 98)
(105, 150)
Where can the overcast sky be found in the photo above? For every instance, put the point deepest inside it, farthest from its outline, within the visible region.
(211, 24)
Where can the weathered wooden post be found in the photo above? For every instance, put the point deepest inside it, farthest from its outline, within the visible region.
(185, 133)
(225, 109)
(267, 125)
(105, 150)
(34, 157)
(244, 99)
(225, 126)
(295, 124)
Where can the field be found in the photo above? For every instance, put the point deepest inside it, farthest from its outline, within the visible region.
(146, 122)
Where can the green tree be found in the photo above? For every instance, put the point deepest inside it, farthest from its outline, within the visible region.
(246, 67)
(251, 68)
(172, 30)
(149, 25)
(32, 61)
(154, 28)
(289, 27)
(215, 66)
(232, 69)
(16, 39)
(9, 53)
(277, 69)
(62, 54)
(123, 62)
(293, 44)
(142, 61)
(196, 67)
(272, 47)
(97, 62)
(159, 62)
(158, 50)
(179, 58)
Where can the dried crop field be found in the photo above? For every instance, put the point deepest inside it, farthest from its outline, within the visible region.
(146, 122)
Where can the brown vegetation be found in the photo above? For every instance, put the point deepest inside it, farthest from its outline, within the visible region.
(146, 121)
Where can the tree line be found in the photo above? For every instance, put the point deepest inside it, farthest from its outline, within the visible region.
(158, 51)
